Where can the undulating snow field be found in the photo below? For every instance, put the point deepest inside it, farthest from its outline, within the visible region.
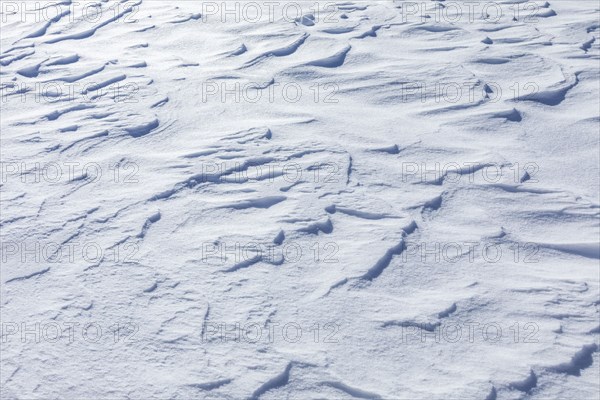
(300, 200)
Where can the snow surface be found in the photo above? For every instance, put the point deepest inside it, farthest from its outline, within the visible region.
(389, 204)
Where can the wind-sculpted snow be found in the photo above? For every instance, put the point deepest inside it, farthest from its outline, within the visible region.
(341, 200)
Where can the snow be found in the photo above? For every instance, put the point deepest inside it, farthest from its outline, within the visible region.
(359, 199)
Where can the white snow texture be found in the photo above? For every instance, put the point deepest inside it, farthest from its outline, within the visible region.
(368, 199)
